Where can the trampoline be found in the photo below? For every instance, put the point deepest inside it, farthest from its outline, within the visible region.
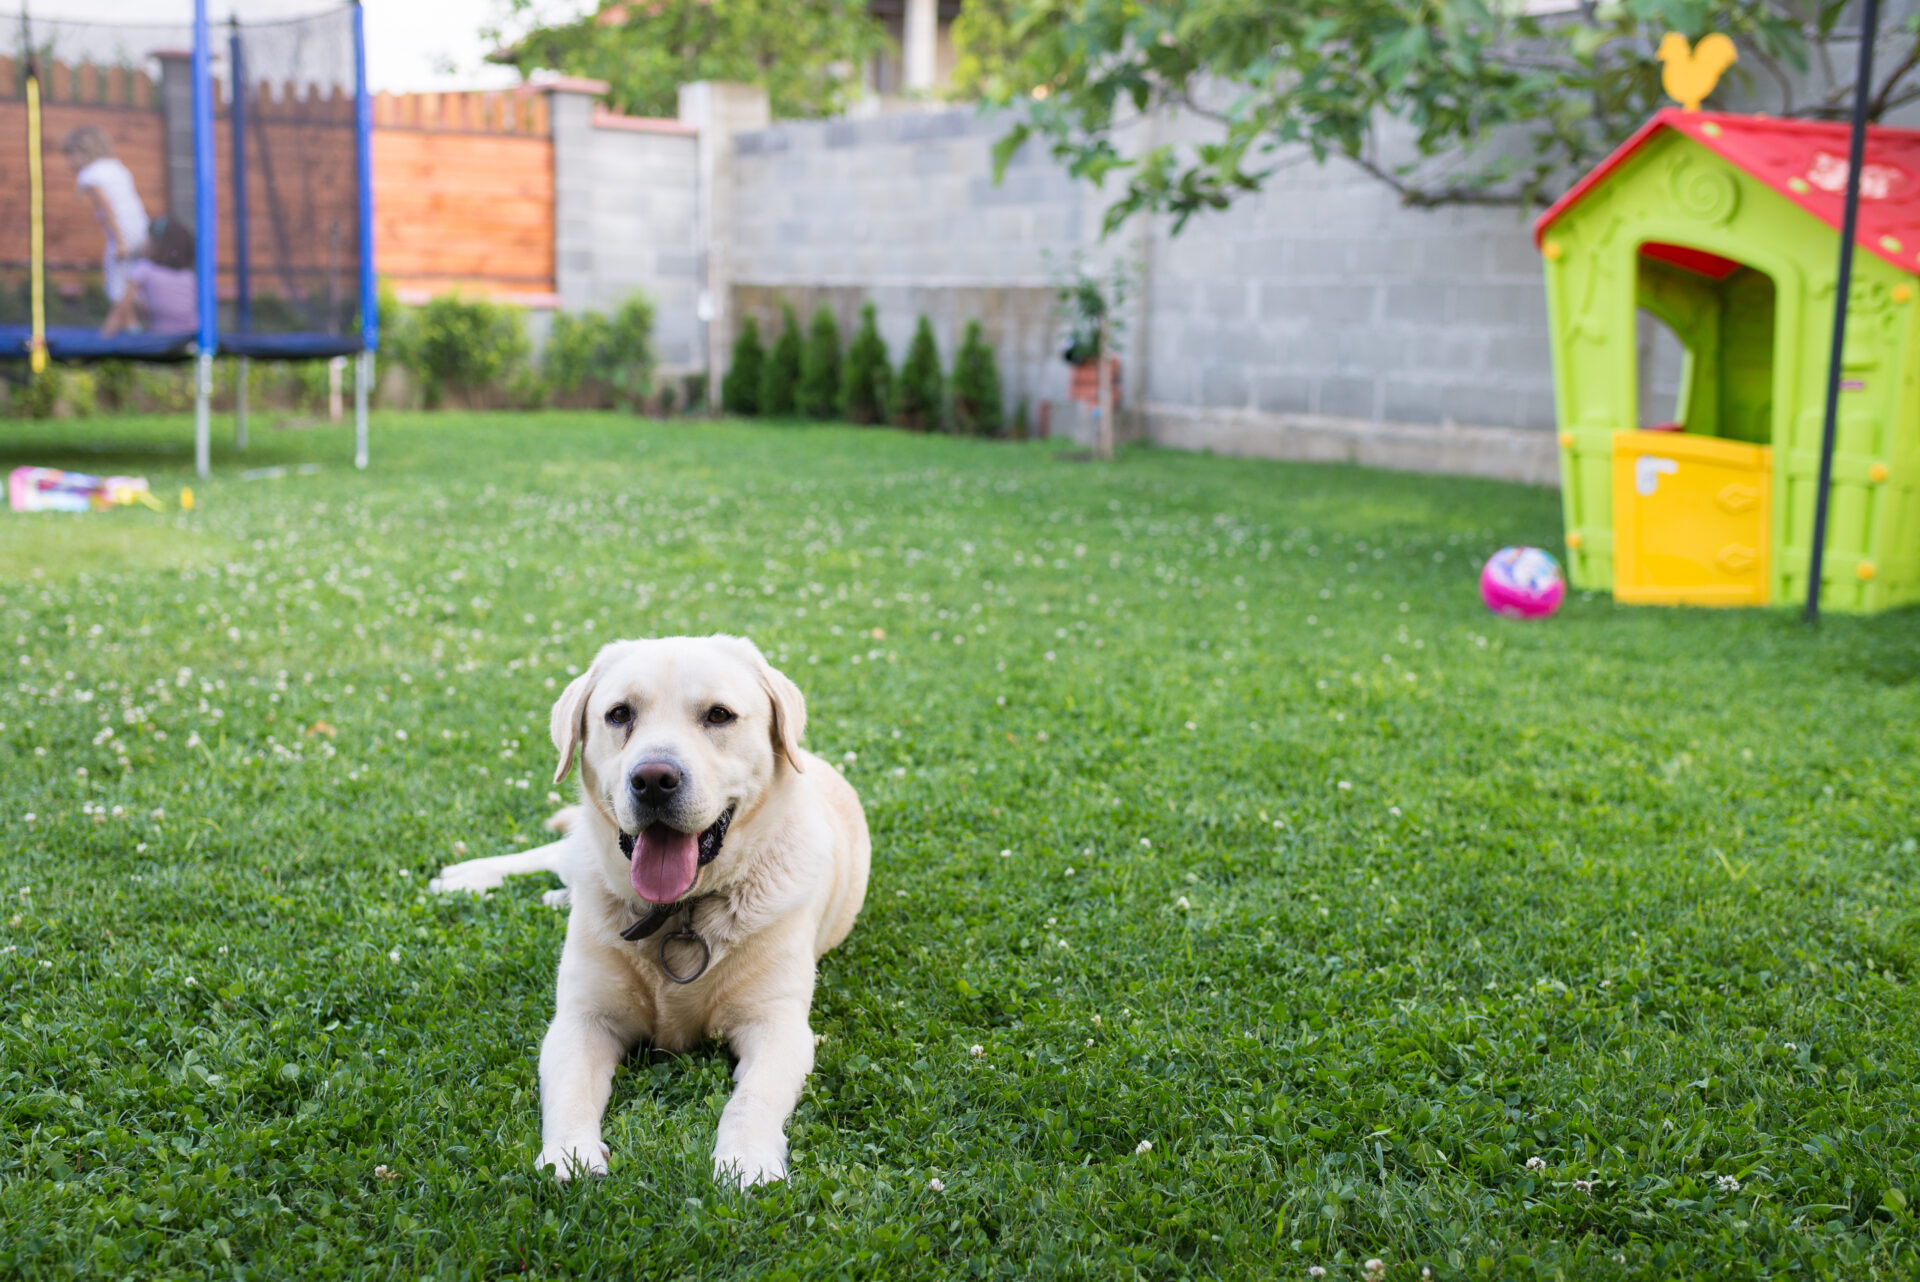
(189, 191)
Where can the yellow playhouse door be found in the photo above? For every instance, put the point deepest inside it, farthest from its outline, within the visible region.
(1690, 519)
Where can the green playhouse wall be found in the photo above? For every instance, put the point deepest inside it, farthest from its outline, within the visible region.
(1675, 191)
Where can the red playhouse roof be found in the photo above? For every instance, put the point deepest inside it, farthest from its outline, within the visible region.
(1803, 160)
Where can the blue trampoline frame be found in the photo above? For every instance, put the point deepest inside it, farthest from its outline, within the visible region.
(83, 344)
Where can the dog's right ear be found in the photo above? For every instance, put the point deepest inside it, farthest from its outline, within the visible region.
(567, 724)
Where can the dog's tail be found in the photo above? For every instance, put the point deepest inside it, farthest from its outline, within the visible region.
(562, 821)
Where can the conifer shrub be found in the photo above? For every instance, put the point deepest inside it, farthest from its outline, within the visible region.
(818, 395)
(977, 407)
(740, 389)
(920, 393)
(867, 376)
(782, 376)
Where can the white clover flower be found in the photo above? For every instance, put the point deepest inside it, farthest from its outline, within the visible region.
(1727, 1184)
(1316, 1271)
(1375, 1268)
(1143, 1147)
(1536, 1164)
(976, 1050)
(935, 1185)
(30, 817)
(394, 955)
(1006, 854)
(1147, 842)
(1583, 1186)
(459, 847)
(1182, 904)
(849, 757)
(385, 1173)
(192, 982)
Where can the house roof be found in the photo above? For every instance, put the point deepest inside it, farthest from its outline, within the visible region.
(1806, 162)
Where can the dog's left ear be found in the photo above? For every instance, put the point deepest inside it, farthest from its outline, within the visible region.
(789, 705)
(567, 723)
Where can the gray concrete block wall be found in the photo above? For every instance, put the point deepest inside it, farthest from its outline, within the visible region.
(626, 204)
(902, 211)
(1324, 296)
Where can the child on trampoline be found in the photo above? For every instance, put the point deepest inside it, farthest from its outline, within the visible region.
(162, 294)
(108, 185)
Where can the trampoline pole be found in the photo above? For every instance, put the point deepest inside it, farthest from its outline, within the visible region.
(242, 371)
(205, 233)
(362, 380)
(203, 414)
(369, 290)
(36, 208)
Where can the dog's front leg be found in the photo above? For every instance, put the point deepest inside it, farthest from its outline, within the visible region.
(582, 1048)
(776, 1054)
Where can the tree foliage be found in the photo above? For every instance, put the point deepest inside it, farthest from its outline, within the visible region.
(781, 376)
(920, 394)
(818, 395)
(978, 406)
(807, 54)
(1501, 105)
(740, 389)
(867, 375)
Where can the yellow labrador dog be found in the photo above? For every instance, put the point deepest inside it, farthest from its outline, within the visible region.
(710, 863)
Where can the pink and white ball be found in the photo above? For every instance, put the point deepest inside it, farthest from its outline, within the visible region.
(1522, 583)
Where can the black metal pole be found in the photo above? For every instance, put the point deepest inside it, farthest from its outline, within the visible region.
(1856, 158)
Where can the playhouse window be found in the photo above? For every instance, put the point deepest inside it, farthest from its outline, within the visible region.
(1716, 316)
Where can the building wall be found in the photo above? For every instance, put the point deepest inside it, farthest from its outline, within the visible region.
(902, 210)
(1319, 319)
(627, 201)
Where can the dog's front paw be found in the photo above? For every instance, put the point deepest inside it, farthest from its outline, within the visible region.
(745, 1165)
(475, 876)
(571, 1159)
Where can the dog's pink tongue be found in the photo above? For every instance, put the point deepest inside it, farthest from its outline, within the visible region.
(665, 862)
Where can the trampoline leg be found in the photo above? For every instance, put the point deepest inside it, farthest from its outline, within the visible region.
(242, 371)
(362, 381)
(203, 415)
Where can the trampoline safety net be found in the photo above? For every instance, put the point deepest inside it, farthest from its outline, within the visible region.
(120, 175)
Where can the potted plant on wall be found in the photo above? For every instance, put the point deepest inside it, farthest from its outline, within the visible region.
(1090, 307)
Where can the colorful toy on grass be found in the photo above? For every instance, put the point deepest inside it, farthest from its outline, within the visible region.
(1522, 583)
(1725, 228)
(48, 489)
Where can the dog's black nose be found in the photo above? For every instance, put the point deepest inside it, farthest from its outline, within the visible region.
(654, 781)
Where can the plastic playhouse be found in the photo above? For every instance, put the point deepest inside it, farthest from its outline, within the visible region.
(1726, 228)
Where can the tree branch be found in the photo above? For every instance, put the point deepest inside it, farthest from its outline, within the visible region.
(1877, 107)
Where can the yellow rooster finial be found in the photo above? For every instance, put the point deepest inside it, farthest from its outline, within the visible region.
(1691, 72)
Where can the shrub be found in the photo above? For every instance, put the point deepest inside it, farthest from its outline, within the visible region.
(977, 408)
(630, 352)
(740, 389)
(116, 384)
(782, 376)
(570, 360)
(598, 361)
(917, 398)
(37, 395)
(79, 397)
(818, 395)
(866, 377)
(470, 347)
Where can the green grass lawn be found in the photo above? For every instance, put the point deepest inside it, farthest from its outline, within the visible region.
(1207, 802)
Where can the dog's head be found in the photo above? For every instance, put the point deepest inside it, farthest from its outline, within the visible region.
(677, 736)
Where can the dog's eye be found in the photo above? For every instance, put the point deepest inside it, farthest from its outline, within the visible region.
(619, 715)
(719, 716)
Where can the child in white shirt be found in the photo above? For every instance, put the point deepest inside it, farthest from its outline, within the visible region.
(108, 186)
